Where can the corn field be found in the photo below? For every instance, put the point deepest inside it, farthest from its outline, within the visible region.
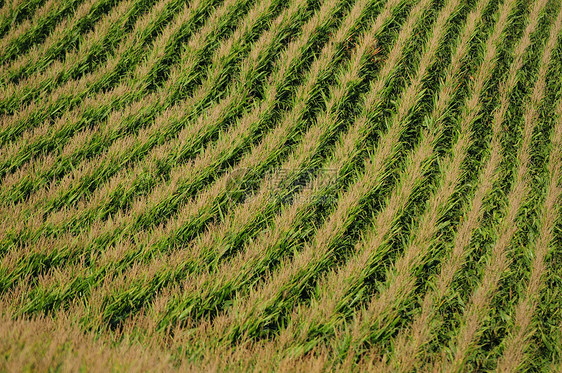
(267, 185)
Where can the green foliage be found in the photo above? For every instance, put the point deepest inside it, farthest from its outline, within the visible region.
(308, 181)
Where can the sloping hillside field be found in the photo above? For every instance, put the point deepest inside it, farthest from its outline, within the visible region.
(281, 185)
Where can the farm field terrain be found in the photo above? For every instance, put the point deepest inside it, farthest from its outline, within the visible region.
(266, 185)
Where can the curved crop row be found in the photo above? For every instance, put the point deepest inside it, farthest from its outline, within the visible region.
(267, 185)
(286, 65)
